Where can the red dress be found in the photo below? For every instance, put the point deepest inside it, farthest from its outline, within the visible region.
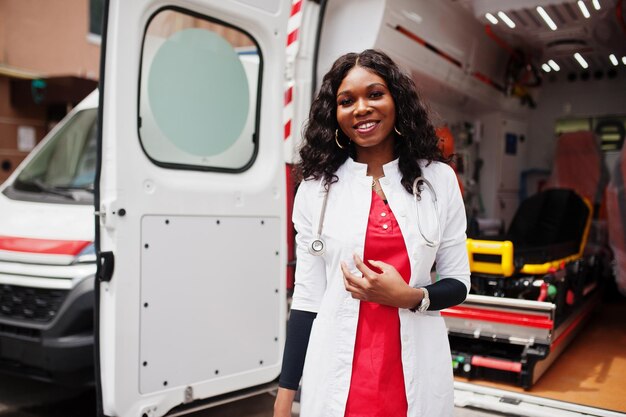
(377, 384)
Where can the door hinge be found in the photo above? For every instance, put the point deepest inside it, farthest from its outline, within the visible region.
(108, 213)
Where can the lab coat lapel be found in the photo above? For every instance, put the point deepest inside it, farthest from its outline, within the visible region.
(362, 198)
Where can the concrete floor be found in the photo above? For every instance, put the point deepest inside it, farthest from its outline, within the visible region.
(261, 406)
(21, 397)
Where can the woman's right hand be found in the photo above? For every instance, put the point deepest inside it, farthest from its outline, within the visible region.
(284, 402)
(387, 287)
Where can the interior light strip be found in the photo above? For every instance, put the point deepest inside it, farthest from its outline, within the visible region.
(614, 60)
(491, 18)
(583, 9)
(546, 17)
(581, 60)
(506, 20)
(554, 65)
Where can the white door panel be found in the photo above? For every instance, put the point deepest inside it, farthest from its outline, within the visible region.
(229, 321)
(201, 297)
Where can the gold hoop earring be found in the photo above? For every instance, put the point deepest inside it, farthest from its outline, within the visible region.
(397, 131)
(337, 139)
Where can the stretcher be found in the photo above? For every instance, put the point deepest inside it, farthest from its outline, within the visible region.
(532, 290)
(534, 287)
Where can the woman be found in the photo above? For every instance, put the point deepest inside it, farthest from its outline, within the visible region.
(377, 346)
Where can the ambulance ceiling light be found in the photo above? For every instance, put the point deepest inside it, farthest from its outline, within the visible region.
(581, 60)
(546, 68)
(546, 17)
(413, 16)
(554, 65)
(491, 18)
(624, 60)
(596, 4)
(614, 60)
(506, 20)
(583, 9)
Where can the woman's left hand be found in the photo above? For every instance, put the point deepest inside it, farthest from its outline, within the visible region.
(387, 287)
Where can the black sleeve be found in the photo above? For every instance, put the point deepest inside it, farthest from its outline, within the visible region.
(298, 332)
(446, 293)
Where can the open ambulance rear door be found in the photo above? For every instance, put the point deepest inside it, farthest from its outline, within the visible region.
(191, 207)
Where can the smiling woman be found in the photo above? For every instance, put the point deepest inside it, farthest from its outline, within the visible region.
(366, 114)
(362, 307)
(384, 83)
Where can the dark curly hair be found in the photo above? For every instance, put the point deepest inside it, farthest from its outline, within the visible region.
(320, 155)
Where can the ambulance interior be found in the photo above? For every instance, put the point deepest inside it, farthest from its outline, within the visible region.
(531, 96)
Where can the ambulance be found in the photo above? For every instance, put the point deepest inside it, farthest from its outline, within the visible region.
(199, 115)
(47, 254)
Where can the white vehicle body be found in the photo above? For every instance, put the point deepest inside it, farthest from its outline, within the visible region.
(175, 336)
(192, 230)
(47, 264)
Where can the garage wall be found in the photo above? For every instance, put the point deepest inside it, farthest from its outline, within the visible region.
(49, 37)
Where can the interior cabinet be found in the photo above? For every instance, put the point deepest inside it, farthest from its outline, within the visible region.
(503, 150)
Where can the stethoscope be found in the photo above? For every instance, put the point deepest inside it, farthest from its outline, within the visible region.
(318, 246)
(417, 195)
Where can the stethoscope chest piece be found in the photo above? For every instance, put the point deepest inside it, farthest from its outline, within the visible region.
(317, 247)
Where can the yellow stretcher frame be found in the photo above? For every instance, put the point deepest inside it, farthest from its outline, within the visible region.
(505, 249)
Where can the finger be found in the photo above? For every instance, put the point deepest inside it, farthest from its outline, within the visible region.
(349, 278)
(360, 265)
(353, 290)
(345, 270)
(354, 282)
(357, 296)
(381, 265)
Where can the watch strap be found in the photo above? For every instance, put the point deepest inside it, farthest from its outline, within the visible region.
(424, 304)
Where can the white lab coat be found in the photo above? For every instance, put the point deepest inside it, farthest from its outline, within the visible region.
(319, 284)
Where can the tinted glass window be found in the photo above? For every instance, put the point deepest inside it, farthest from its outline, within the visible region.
(65, 166)
(611, 130)
(96, 8)
(198, 100)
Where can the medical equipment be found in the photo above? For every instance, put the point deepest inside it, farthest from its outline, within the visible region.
(417, 195)
(318, 246)
(532, 290)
